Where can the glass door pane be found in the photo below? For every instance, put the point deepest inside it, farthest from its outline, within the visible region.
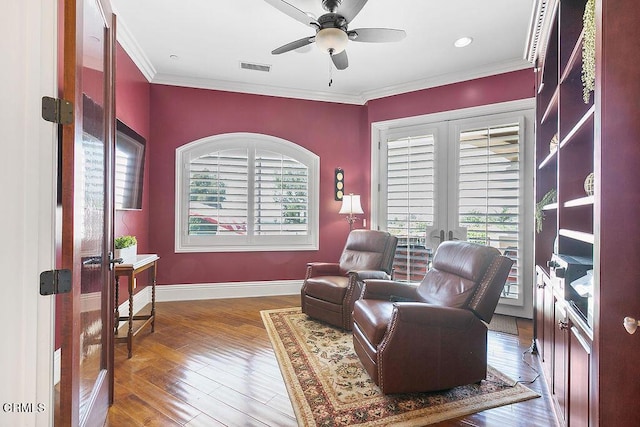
(90, 203)
(489, 192)
(410, 195)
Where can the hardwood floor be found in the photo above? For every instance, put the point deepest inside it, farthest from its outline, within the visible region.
(210, 363)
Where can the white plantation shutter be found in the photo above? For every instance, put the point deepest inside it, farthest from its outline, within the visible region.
(489, 191)
(246, 192)
(281, 195)
(410, 191)
(218, 193)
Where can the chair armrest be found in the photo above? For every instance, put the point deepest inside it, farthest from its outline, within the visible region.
(370, 274)
(323, 269)
(388, 289)
(433, 316)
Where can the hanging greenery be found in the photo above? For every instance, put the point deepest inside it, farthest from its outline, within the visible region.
(550, 197)
(589, 50)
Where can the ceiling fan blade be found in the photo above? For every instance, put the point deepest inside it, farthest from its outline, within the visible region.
(341, 61)
(294, 45)
(376, 35)
(350, 8)
(294, 12)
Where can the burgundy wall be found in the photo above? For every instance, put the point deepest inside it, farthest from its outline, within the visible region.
(472, 93)
(338, 133)
(132, 108)
(181, 115)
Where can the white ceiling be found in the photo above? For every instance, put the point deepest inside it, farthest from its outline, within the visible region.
(210, 38)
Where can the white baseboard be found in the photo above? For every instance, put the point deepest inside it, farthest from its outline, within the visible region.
(226, 290)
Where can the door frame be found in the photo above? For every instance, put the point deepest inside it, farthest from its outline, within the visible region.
(380, 129)
(28, 367)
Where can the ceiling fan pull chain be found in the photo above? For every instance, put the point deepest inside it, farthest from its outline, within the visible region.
(330, 72)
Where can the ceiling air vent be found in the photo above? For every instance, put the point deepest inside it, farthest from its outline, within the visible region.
(255, 67)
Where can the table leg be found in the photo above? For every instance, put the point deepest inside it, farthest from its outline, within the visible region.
(153, 297)
(130, 332)
(117, 310)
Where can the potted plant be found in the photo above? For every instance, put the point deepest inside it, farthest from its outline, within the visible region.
(126, 247)
(550, 197)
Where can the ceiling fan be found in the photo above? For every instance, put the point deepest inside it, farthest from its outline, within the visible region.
(332, 33)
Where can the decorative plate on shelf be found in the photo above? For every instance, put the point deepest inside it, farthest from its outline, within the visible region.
(588, 184)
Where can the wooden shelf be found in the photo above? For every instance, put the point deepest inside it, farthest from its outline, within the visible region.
(577, 235)
(584, 120)
(583, 201)
(552, 107)
(575, 59)
(548, 160)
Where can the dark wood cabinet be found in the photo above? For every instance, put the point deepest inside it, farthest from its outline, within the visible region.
(588, 154)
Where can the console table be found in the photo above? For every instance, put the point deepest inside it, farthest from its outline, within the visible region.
(142, 263)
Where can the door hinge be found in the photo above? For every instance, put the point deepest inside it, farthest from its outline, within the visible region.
(57, 110)
(55, 282)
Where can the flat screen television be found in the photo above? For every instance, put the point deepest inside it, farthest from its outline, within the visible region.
(129, 170)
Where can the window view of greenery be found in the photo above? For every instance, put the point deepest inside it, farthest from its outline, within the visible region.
(222, 201)
(489, 188)
(488, 197)
(410, 206)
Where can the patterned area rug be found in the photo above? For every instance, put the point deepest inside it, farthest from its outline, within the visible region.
(329, 387)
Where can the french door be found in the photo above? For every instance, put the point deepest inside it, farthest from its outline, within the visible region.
(86, 313)
(465, 179)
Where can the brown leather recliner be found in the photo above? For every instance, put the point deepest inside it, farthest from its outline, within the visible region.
(330, 289)
(431, 336)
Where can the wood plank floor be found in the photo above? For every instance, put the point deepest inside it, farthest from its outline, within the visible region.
(210, 363)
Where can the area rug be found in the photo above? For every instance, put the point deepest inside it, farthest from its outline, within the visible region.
(329, 387)
(505, 324)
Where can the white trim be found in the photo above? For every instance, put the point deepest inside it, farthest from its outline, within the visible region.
(447, 79)
(249, 242)
(27, 169)
(133, 49)
(257, 89)
(203, 291)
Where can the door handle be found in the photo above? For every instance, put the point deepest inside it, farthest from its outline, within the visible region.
(451, 236)
(113, 260)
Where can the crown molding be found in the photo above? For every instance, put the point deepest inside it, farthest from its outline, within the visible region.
(542, 15)
(447, 79)
(359, 99)
(133, 49)
(229, 86)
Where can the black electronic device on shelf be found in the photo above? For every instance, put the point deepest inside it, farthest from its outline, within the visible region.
(570, 268)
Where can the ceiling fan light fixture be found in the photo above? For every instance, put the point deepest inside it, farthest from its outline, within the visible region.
(332, 40)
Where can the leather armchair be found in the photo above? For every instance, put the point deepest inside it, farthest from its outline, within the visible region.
(330, 288)
(431, 336)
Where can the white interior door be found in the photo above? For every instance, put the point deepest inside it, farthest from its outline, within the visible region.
(459, 180)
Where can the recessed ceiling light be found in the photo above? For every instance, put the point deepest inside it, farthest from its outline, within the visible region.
(463, 41)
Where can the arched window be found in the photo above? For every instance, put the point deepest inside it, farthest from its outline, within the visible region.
(246, 192)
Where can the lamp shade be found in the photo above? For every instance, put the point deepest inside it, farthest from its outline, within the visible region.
(351, 204)
(332, 40)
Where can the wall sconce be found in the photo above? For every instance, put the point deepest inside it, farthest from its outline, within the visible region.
(338, 188)
(350, 206)
(630, 324)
